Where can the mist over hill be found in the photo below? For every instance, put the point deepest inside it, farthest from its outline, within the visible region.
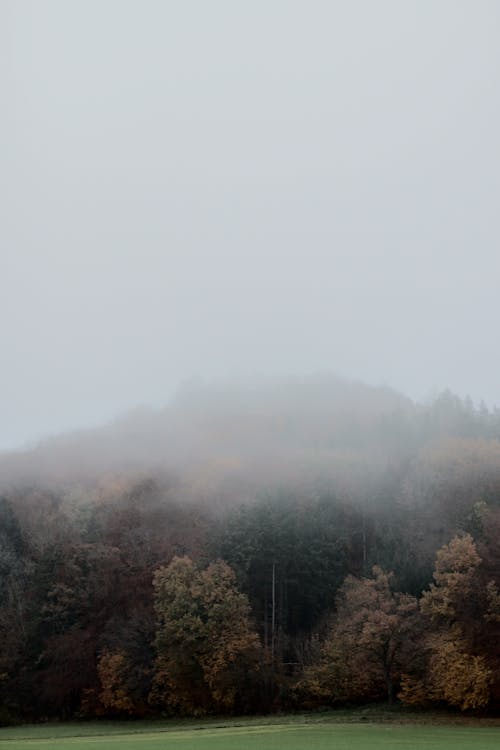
(225, 443)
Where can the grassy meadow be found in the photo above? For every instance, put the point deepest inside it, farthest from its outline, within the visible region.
(341, 732)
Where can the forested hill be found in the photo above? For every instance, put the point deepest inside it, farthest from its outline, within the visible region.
(287, 545)
(226, 444)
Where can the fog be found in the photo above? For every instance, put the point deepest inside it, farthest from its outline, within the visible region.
(221, 446)
(230, 191)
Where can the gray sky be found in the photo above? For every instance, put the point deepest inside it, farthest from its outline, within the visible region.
(233, 188)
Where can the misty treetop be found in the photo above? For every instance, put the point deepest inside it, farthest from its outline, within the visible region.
(309, 544)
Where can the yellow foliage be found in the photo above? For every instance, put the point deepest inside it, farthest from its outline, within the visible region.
(112, 669)
(413, 691)
(205, 641)
(455, 579)
(455, 675)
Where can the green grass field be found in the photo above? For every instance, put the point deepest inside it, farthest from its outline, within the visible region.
(276, 734)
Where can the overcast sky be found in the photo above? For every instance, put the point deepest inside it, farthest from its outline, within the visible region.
(244, 187)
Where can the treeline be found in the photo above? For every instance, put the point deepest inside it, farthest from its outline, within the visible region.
(120, 598)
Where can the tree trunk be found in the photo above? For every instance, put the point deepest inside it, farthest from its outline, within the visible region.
(389, 685)
(273, 612)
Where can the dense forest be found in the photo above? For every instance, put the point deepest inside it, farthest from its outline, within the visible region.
(277, 546)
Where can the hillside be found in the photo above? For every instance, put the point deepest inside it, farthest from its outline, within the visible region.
(245, 437)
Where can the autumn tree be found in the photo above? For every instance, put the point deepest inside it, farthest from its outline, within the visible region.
(114, 671)
(454, 594)
(456, 605)
(207, 650)
(369, 643)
